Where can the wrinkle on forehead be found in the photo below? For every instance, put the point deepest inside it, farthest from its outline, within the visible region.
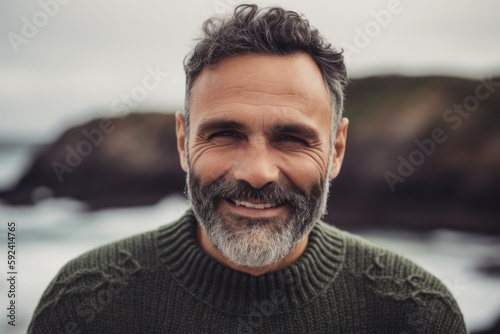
(261, 97)
(293, 81)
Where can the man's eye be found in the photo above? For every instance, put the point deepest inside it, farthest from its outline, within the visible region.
(223, 134)
(292, 139)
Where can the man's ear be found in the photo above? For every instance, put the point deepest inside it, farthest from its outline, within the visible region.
(339, 150)
(180, 131)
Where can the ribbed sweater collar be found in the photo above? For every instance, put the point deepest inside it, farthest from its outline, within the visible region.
(235, 292)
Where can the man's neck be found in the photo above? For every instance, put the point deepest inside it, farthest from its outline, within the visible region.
(209, 248)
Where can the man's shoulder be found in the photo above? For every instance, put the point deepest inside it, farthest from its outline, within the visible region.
(363, 255)
(382, 266)
(388, 273)
(139, 250)
(132, 251)
(112, 263)
(102, 276)
(395, 284)
(127, 256)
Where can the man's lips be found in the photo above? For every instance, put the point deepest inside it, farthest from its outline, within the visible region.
(253, 204)
(253, 210)
(248, 204)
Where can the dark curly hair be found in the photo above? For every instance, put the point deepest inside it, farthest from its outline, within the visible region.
(269, 31)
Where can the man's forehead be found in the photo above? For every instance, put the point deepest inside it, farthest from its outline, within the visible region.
(292, 82)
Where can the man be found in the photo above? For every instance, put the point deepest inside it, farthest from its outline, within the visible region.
(261, 137)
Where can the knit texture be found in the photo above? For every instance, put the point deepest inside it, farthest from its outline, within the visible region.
(162, 282)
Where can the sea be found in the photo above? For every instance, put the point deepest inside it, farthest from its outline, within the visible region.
(53, 231)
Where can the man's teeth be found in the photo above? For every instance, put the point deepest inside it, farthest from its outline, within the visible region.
(254, 206)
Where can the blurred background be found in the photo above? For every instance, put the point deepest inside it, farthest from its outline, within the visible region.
(87, 152)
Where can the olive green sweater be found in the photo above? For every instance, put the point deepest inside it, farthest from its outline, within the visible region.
(162, 282)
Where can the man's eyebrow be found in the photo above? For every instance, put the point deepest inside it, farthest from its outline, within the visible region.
(219, 124)
(301, 130)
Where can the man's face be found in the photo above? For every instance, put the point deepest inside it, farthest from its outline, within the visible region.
(258, 154)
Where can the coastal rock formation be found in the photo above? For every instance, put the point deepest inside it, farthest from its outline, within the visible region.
(107, 163)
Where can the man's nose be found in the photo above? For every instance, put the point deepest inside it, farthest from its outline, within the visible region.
(257, 166)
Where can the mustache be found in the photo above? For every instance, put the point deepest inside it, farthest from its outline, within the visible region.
(274, 193)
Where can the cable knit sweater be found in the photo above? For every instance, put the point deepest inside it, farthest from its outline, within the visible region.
(162, 282)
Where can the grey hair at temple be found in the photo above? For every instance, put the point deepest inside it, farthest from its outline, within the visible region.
(268, 31)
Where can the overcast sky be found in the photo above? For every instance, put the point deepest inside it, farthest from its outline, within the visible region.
(85, 55)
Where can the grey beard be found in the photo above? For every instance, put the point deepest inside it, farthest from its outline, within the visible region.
(251, 242)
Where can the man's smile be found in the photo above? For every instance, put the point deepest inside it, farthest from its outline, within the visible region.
(258, 209)
(253, 204)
